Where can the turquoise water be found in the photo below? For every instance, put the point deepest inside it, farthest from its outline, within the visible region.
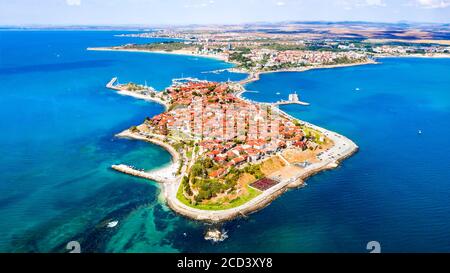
(57, 145)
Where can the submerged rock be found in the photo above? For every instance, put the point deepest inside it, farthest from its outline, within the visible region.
(216, 235)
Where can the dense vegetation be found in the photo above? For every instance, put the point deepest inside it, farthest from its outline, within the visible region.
(133, 87)
(345, 60)
(166, 46)
(243, 61)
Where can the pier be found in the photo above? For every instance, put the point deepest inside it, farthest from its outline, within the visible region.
(293, 99)
(111, 84)
(161, 176)
(285, 102)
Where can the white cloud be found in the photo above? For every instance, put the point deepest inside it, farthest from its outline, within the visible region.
(351, 4)
(73, 2)
(433, 4)
(198, 4)
(379, 3)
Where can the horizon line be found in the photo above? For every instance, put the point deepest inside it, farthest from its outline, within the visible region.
(408, 22)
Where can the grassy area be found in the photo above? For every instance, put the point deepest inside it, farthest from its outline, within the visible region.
(133, 87)
(165, 46)
(310, 132)
(252, 193)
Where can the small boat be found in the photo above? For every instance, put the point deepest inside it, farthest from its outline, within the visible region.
(419, 132)
(112, 224)
(357, 89)
(278, 93)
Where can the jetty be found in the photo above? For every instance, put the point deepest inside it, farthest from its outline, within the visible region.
(284, 102)
(158, 176)
(293, 99)
(112, 84)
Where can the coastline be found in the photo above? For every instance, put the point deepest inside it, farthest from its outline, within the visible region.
(435, 56)
(164, 174)
(254, 76)
(142, 97)
(128, 134)
(135, 95)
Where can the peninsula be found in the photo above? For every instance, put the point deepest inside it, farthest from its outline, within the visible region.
(231, 156)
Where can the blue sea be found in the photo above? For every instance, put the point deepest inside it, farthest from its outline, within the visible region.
(57, 144)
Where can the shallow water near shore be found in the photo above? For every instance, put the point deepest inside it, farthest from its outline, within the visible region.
(57, 146)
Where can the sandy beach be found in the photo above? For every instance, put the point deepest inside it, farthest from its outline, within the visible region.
(166, 174)
(175, 52)
(143, 97)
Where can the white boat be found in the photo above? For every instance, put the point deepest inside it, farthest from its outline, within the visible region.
(112, 224)
(278, 93)
(420, 132)
(357, 89)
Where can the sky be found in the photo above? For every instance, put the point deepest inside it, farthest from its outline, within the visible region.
(182, 12)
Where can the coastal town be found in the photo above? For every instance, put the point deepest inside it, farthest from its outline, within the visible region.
(255, 59)
(280, 48)
(231, 156)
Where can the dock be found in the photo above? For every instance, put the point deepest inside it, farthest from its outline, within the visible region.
(293, 99)
(155, 176)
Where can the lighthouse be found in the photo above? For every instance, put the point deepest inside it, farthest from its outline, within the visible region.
(293, 97)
